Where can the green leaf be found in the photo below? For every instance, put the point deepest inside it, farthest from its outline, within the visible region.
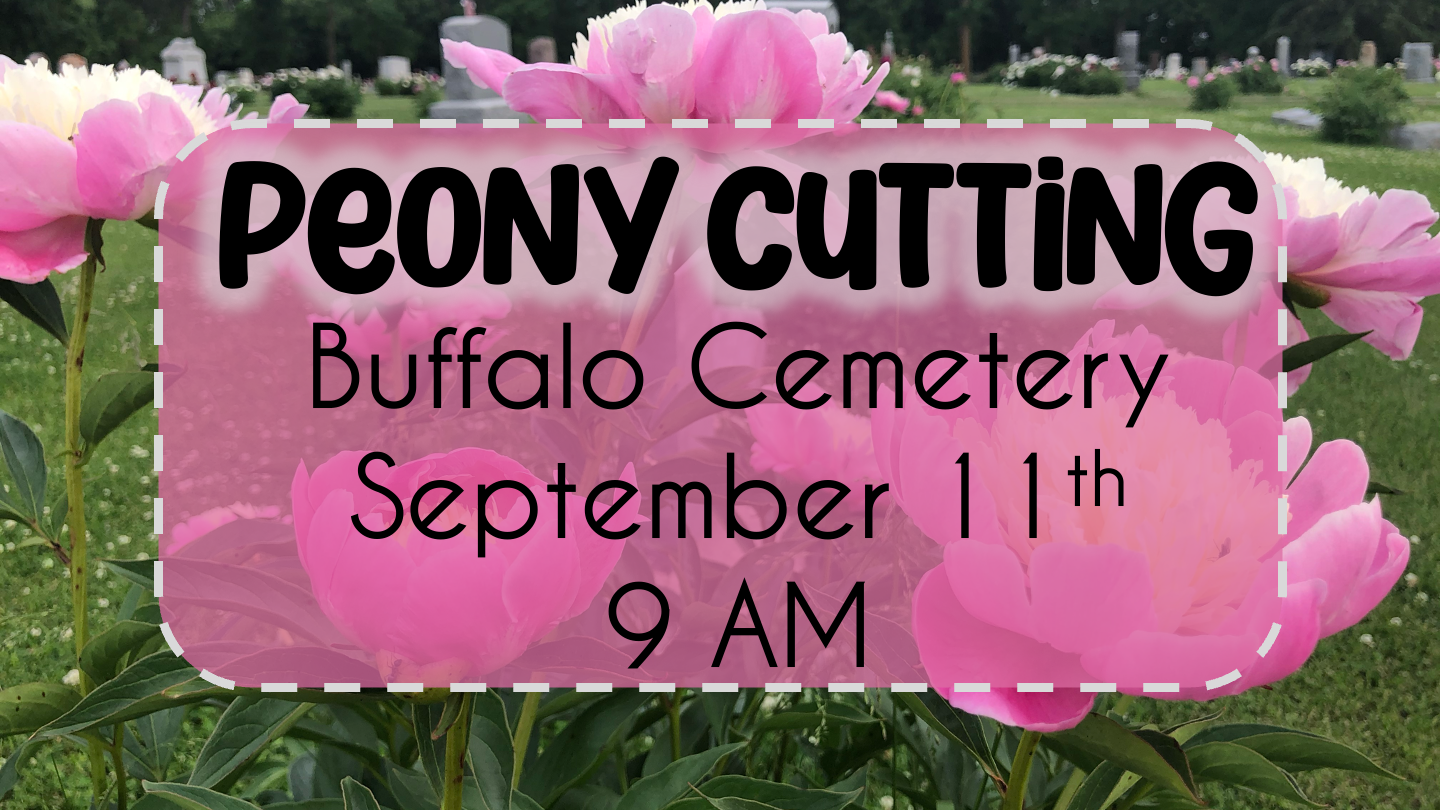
(772, 794)
(1102, 737)
(1304, 353)
(39, 303)
(674, 780)
(1234, 764)
(519, 801)
(140, 572)
(191, 797)
(27, 707)
(357, 796)
(111, 400)
(491, 752)
(578, 750)
(1094, 792)
(153, 743)
(9, 510)
(25, 457)
(430, 751)
(812, 716)
(961, 728)
(102, 654)
(248, 725)
(154, 682)
(1294, 750)
(59, 514)
(703, 802)
(1377, 488)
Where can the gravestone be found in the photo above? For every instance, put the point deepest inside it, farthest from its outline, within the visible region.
(887, 48)
(1367, 54)
(245, 76)
(183, 61)
(1417, 137)
(394, 68)
(1154, 61)
(1297, 117)
(1172, 66)
(1419, 62)
(465, 101)
(542, 49)
(1127, 48)
(1282, 55)
(822, 7)
(1199, 66)
(1252, 52)
(1014, 53)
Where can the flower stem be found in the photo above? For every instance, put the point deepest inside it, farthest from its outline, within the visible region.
(456, 740)
(522, 735)
(1077, 777)
(74, 477)
(675, 725)
(1020, 771)
(117, 754)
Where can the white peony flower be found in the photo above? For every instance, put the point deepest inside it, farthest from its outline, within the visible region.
(1319, 194)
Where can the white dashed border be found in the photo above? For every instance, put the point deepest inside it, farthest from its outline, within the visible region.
(701, 123)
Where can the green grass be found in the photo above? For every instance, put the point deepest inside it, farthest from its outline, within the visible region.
(1384, 700)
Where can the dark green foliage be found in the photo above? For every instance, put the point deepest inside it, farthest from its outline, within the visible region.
(1362, 105)
(1213, 93)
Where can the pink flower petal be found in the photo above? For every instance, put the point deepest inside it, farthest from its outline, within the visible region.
(1089, 596)
(487, 67)
(1335, 477)
(757, 65)
(561, 91)
(285, 109)
(31, 255)
(37, 177)
(1393, 319)
(1358, 556)
(124, 150)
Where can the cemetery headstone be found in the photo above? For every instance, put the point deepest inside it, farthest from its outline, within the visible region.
(348, 68)
(465, 101)
(1014, 53)
(1127, 48)
(1419, 62)
(1417, 137)
(183, 61)
(542, 49)
(394, 68)
(1282, 54)
(1252, 52)
(1199, 66)
(245, 76)
(1172, 66)
(1154, 61)
(1297, 117)
(887, 48)
(1367, 54)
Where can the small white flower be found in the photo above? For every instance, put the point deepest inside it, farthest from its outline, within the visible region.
(68, 634)
(25, 591)
(103, 602)
(887, 802)
(1411, 580)
(1367, 639)
(1422, 597)
(35, 631)
(1395, 621)
(49, 562)
(1414, 539)
(123, 539)
(72, 678)
(136, 451)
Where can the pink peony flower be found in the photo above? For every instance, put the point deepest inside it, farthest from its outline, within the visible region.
(1179, 585)
(891, 100)
(1366, 260)
(663, 62)
(958, 77)
(1209, 77)
(1193, 82)
(919, 110)
(90, 143)
(1274, 64)
(828, 442)
(431, 610)
(211, 519)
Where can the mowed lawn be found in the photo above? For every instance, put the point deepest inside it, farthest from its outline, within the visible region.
(1383, 698)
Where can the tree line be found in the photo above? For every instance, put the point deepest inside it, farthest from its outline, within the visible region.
(269, 34)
